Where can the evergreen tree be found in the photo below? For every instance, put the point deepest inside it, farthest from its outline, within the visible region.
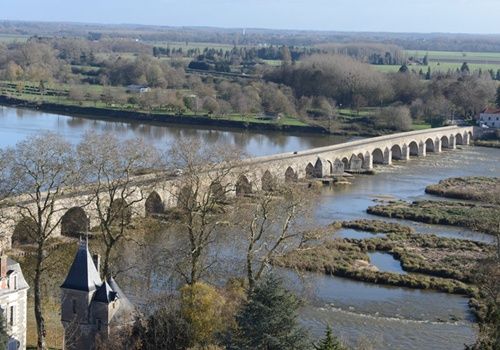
(497, 100)
(498, 75)
(329, 342)
(465, 68)
(268, 321)
(428, 75)
(426, 60)
(403, 69)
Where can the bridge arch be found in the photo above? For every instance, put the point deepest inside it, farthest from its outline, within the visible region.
(75, 222)
(268, 183)
(413, 146)
(459, 139)
(378, 156)
(310, 171)
(24, 232)
(397, 153)
(445, 142)
(322, 168)
(429, 145)
(467, 137)
(154, 204)
(362, 157)
(346, 163)
(291, 175)
(243, 186)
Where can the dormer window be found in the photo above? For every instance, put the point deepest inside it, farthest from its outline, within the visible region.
(73, 305)
(99, 324)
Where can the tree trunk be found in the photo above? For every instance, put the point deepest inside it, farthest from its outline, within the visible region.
(194, 266)
(40, 322)
(105, 271)
(250, 276)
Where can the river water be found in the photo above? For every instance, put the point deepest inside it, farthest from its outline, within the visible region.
(385, 317)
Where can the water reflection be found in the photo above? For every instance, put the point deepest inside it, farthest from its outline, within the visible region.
(16, 124)
(385, 262)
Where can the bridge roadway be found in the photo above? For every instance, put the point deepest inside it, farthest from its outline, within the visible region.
(75, 214)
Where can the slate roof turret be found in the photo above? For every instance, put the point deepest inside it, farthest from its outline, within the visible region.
(83, 275)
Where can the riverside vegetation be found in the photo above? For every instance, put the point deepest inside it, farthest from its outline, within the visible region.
(481, 213)
(439, 263)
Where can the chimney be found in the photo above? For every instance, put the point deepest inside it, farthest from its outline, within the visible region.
(97, 262)
(3, 270)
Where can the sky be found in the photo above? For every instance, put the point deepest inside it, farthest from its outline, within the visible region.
(423, 16)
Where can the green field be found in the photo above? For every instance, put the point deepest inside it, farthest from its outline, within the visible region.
(440, 66)
(449, 56)
(9, 38)
(193, 45)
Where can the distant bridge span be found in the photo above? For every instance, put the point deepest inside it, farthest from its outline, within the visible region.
(256, 173)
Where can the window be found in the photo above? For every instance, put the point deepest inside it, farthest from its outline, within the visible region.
(11, 316)
(13, 344)
(99, 324)
(74, 306)
(15, 282)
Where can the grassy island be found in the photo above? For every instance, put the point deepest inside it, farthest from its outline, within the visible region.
(477, 188)
(437, 263)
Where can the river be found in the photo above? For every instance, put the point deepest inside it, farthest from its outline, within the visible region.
(385, 317)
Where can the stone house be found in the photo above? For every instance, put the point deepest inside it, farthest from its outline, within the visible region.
(490, 117)
(13, 301)
(91, 308)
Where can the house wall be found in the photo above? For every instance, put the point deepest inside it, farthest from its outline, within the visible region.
(491, 120)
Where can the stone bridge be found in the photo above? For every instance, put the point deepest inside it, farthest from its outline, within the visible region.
(76, 215)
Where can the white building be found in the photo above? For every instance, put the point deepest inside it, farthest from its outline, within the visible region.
(490, 117)
(139, 89)
(13, 302)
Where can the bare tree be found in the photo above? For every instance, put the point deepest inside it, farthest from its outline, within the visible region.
(206, 181)
(43, 170)
(112, 166)
(274, 222)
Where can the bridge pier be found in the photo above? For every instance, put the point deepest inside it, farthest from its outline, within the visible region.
(437, 145)
(405, 152)
(368, 161)
(452, 143)
(387, 157)
(466, 139)
(422, 150)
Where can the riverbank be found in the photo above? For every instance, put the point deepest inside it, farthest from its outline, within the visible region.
(487, 143)
(434, 263)
(109, 113)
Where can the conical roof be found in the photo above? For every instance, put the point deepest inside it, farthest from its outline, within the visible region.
(83, 274)
(105, 294)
